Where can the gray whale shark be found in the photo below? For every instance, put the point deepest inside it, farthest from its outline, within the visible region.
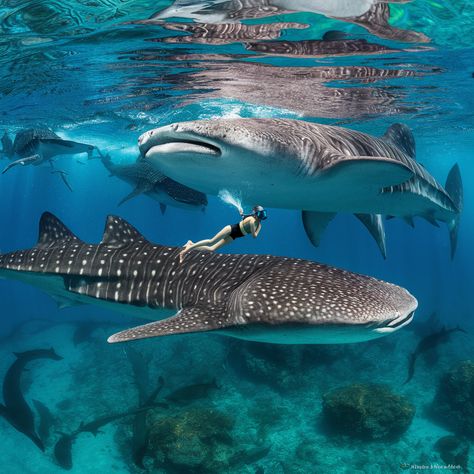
(255, 297)
(319, 169)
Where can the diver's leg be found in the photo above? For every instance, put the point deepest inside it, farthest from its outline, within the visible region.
(207, 242)
(220, 243)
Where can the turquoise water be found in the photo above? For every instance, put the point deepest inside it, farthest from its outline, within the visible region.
(94, 72)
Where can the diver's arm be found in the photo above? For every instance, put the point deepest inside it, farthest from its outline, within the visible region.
(255, 230)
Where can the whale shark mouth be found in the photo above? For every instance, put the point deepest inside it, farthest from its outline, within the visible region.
(395, 324)
(182, 146)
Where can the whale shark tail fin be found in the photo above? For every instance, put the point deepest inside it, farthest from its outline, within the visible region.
(455, 190)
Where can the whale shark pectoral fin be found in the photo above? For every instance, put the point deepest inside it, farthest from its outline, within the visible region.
(374, 171)
(315, 223)
(3, 410)
(60, 146)
(374, 224)
(142, 187)
(188, 320)
(22, 161)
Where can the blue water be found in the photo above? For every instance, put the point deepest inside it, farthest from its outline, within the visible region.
(81, 69)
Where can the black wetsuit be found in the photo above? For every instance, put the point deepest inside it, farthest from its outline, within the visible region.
(236, 232)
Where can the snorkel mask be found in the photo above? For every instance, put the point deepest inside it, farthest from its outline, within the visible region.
(260, 213)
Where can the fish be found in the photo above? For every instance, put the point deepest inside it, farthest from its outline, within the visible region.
(319, 169)
(256, 297)
(429, 342)
(63, 447)
(15, 409)
(373, 15)
(35, 146)
(47, 420)
(147, 180)
(192, 392)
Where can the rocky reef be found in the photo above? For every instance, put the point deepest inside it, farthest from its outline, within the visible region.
(453, 404)
(367, 411)
(453, 451)
(198, 440)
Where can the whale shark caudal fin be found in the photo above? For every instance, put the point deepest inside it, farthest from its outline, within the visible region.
(193, 319)
(402, 137)
(454, 189)
(53, 232)
(315, 223)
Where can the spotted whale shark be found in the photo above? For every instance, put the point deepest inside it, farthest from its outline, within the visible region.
(255, 297)
(319, 169)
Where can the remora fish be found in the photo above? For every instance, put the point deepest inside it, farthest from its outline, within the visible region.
(429, 342)
(372, 15)
(256, 297)
(319, 169)
(36, 146)
(16, 411)
(147, 180)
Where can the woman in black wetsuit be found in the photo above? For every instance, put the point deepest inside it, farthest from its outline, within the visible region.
(250, 224)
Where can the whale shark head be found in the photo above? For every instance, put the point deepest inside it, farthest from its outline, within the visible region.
(209, 153)
(276, 162)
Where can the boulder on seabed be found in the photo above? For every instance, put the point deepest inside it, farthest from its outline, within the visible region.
(367, 411)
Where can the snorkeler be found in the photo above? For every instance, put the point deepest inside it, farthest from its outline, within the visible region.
(250, 224)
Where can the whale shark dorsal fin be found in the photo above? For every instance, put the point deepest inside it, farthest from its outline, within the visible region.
(53, 232)
(118, 233)
(188, 320)
(402, 137)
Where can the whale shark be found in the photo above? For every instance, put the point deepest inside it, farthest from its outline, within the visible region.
(148, 181)
(222, 33)
(35, 146)
(319, 169)
(16, 410)
(373, 15)
(256, 297)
